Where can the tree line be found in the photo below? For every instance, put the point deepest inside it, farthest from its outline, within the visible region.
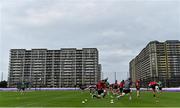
(3, 84)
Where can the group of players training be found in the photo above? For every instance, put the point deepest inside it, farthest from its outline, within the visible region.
(119, 90)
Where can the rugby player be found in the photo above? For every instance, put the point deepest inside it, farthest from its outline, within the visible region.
(100, 87)
(127, 90)
(115, 88)
(160, 86)
(137, 87)
(153, 85)
(121, 86)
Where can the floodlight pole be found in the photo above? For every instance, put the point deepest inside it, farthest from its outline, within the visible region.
(2, 76)
(115, 76)
(102, 75)
(36, 81)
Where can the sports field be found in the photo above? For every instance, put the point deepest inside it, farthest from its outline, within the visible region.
(75, 98)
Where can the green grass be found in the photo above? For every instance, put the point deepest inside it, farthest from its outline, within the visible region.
(74, 99)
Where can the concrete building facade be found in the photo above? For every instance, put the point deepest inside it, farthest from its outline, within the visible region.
(67, 67)
(158, 61)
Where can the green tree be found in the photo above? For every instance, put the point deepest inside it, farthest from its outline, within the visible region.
(3, 84)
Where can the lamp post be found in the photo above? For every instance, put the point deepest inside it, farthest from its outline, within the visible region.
(2, 76)
(36, 81)
(115, 76)
(40, 83)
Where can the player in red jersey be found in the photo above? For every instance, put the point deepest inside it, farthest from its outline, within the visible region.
(153, 85)
(107, 86)
(127, 89)
(104, 87)
(121, 86)
(115, 87)
(137, 87)
(100, 87)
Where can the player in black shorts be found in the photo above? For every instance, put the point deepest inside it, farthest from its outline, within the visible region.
(127, 89)
(121, 86)
(153, 85)
(115, 88)
(100, 89)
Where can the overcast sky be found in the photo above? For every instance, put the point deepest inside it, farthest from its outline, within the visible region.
(120, 29)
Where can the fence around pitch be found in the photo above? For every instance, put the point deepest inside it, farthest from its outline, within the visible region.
(15, 89)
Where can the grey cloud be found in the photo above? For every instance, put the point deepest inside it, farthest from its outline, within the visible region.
(119, 29)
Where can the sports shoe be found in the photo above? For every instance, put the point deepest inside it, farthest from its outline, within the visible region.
(93, 96)
(118, 97)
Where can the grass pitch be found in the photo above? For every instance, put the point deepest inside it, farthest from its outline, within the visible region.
(75, 98)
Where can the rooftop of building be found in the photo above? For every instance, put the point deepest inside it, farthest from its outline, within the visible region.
(54, 49)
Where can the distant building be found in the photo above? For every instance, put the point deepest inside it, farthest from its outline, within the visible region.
(158, 61)
(68, 67)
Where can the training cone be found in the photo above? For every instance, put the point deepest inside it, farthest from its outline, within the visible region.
(112, 101)
(83, 102)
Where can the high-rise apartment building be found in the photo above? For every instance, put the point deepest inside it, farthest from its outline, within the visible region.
(158, 61)
(67, 67)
